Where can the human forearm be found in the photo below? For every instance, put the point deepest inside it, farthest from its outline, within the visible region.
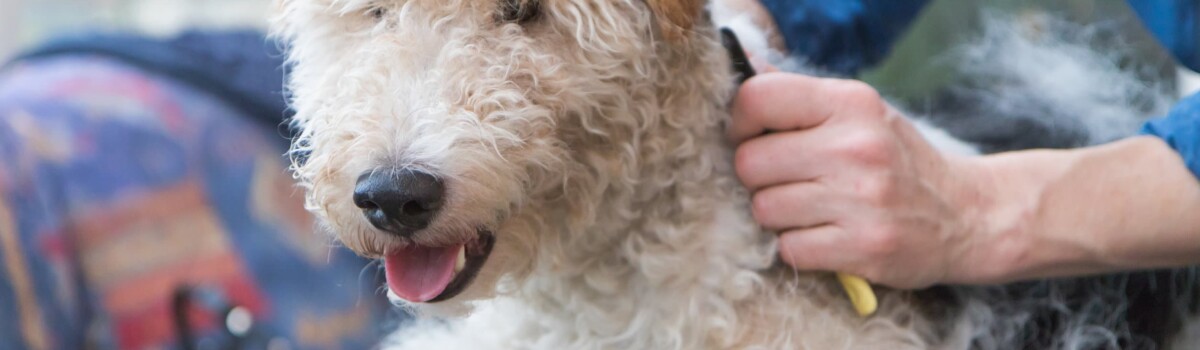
(1128, 205)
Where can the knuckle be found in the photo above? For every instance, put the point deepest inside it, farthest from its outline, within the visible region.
(873, 272)
(868, 147)
(756, 86)
(788, 256)
(877, 190)
(746, 162)
(859, 90)
(880, 244)
(791, 254)
(754, 96)
(862, 95)
(762, 204)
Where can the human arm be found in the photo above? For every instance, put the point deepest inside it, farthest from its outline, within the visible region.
(853, 187)
(1127, 205)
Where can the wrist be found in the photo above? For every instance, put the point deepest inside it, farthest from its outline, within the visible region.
(1014, 218)
(1022, 226)
(994, 221)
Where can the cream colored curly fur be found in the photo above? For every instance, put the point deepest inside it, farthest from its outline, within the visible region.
(591, 142)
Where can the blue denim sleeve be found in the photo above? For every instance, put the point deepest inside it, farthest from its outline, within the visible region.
(842, 36)
(1174, 23)
(1181, 130)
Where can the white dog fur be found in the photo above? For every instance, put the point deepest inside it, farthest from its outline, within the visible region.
(590, 141)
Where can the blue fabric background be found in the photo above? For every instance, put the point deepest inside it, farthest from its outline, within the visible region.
(107, 141)
(842, 36)
(1181, 129)
(846, 36)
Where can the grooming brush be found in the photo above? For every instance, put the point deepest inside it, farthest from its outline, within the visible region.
(857, 288)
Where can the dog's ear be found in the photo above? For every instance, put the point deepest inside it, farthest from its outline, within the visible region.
(676, 17)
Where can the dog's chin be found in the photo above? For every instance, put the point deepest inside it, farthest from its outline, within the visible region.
(459, 306)
(426, 274)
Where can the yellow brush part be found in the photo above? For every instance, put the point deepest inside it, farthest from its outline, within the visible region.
(860, 294)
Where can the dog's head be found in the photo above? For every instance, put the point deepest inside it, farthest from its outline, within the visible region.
(452, 138)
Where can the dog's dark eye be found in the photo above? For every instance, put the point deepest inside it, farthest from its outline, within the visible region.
(377, 13)
(519, 11)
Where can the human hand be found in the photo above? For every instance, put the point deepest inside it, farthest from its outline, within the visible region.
(849, 183)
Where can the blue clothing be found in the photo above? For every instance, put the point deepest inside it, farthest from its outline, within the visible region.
(1174, 23)
(242, 68)
(1181, 129)
(844, 37)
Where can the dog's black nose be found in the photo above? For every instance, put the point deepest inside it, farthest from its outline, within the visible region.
(399, 201)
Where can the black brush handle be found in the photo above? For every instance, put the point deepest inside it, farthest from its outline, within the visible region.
(737, 55)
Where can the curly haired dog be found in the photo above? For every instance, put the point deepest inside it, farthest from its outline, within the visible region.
(553, 174)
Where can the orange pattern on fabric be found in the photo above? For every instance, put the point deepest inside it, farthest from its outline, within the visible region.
(325, 331)
(139, 250)
(32, 327)
(276, 200)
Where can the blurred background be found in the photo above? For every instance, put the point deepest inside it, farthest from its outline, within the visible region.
(26, 22)
(145, 201)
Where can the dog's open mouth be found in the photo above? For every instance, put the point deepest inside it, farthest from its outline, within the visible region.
(423, 274)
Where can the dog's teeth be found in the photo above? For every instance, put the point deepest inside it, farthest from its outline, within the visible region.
(462, 260)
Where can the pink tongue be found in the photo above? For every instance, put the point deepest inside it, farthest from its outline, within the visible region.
(419, 274)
